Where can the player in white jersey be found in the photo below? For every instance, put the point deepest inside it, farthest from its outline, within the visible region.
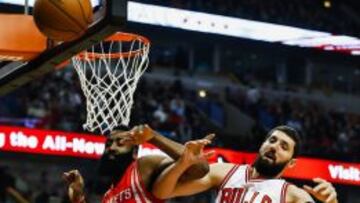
(257, 183)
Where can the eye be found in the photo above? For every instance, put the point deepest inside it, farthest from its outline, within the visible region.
(118, 141)
(272, 140)
(284, 146)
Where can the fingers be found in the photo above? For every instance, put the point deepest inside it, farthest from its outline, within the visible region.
(120, 134)
(319, 180)
(67, 177)
(71, 176)
(209, 154)
(210, 137)
(124, 137)
(331, 198)
(197, 145)
(309, 189)
(326, 191)
(323, 190)
(129, 140)
(320, 187)
(203, 141)
(140, 128)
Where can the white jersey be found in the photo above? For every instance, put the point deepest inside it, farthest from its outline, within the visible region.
(238, 187)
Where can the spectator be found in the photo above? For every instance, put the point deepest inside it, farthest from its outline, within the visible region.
(8, 191)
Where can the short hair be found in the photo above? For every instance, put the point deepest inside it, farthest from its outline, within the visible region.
(292, 133)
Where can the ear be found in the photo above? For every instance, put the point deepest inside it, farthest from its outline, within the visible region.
(135, 152)
(292, 163)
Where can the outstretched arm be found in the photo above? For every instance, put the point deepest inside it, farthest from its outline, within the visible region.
(143, 133)
(323, 191)
(169, 185)
(170, 147)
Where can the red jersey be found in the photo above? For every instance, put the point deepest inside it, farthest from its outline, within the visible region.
(130, 189)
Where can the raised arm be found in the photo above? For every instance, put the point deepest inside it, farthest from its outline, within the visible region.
(75, 186)
(169, 185)
(323, 191)
(143, 133)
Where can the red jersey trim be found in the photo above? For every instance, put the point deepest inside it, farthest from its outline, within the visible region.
(228, 176)
(247, 174)
(283, 192)
(138, 188)
(148, 195)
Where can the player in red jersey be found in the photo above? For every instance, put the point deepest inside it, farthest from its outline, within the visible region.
(132, 180)
(258, 183)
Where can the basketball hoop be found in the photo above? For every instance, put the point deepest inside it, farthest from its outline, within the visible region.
(109, 73)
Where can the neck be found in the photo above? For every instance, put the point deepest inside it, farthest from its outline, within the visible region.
(254, 174)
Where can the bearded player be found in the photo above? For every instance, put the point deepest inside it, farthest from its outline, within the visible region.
(131, 180)
(259, 183)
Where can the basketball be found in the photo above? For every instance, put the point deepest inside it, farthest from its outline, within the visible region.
(63, 20)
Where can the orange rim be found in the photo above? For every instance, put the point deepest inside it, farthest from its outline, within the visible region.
(119, 37)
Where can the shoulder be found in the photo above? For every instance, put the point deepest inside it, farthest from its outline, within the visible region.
(222, 168)
(219, 172)
(150, 166)
(295, 194)
(153, 162)
(153, 159)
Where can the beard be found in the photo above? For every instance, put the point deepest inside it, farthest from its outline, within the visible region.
(112, 167)
(267, 169)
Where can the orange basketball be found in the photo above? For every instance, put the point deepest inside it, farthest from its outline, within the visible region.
(63, 20)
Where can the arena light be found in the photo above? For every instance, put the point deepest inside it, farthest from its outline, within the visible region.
(202, 93)
(31, 2)
(327, 4)
(237, 27)
(18, 2)
(217, 24)
(356, 52)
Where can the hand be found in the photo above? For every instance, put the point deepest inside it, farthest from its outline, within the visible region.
(76, 185)
(193, 152)
(323, 191)
(136, 136)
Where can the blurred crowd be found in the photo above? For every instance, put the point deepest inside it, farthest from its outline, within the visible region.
(332, 16)
(343, 81)
(56, 102)
(30, 183)
(325, 133)
(40, 181)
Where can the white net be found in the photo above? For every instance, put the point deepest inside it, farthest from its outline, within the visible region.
(109, 73)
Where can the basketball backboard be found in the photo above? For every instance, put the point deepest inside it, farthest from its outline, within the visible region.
(25, 54)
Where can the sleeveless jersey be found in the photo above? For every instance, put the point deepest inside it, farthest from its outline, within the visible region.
(130, 189)
(238, 187)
